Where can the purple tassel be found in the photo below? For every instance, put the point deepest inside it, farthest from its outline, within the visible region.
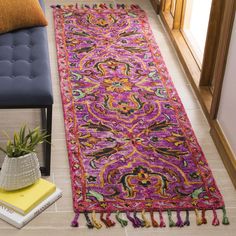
(179, 222)
(132, 220)
(139, 221)
(75, 222)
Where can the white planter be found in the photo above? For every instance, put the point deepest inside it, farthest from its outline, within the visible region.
(19, 172)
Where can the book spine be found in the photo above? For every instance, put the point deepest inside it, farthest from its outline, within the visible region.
(29, 217)
(18, 220)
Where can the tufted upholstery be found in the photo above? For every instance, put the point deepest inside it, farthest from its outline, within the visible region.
(24, 68)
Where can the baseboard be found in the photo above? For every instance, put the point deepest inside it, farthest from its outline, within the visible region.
(156, 5)
(224, 149)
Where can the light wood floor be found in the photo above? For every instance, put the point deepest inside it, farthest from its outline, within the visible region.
(56, 220)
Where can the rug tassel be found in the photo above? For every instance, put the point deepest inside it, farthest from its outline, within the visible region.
(132, 220)
(204, 220)
(179, 222)
(154, 222)
(109, 221)
(95, 222)
(215, 220)
(87, 6)
(162, 222)
(139, 221)
(145, 220)
(225, 220)
(103, 220)
(103, 6)
(171, 222)
(198, 218)
(187, 222)
(89, 223)
(134, 7)
(122, 222)
(75, 222)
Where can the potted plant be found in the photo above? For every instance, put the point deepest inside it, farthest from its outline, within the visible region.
(21, 166)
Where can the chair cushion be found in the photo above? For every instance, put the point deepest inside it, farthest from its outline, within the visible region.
(15, 14)
(25, 68)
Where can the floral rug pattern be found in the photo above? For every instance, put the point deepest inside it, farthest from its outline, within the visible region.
(130, 144)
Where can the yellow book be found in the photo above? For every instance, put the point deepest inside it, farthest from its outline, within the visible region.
(24, 200)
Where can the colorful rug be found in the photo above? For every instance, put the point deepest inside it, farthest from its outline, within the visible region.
(131, 146)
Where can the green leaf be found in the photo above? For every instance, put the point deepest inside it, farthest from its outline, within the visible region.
(24, 142)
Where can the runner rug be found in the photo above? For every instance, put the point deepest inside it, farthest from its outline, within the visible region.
(130, 144)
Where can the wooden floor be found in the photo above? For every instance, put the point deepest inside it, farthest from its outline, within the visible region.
(56, 220)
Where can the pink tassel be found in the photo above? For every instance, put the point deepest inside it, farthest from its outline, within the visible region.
(215, 220)
(154, 222)
(109, 221)
(162, 223)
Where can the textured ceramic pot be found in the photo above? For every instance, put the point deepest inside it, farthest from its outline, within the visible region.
(19, 172)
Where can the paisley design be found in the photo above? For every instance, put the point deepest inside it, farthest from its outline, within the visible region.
(131, 146)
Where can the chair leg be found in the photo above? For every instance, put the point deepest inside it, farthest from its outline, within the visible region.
(47, 125)
(49, 140)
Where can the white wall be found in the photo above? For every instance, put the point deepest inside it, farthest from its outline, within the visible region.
(227, 109)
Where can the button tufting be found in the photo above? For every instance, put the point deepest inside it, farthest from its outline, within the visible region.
(24, 62)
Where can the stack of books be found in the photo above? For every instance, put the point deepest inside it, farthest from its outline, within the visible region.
(20, 206)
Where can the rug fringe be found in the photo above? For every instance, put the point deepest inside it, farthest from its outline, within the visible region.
(198, 219)
(122, 222)
(162, 222)
(93, 222)
(204, 220)
(107, 221)
(187, 222)
(179, 222)
(215, 220)
(140, 222)
(225, 220)
(89, 223)
(171, 222)
(98, 6)
(75, 221)
(154, 222)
